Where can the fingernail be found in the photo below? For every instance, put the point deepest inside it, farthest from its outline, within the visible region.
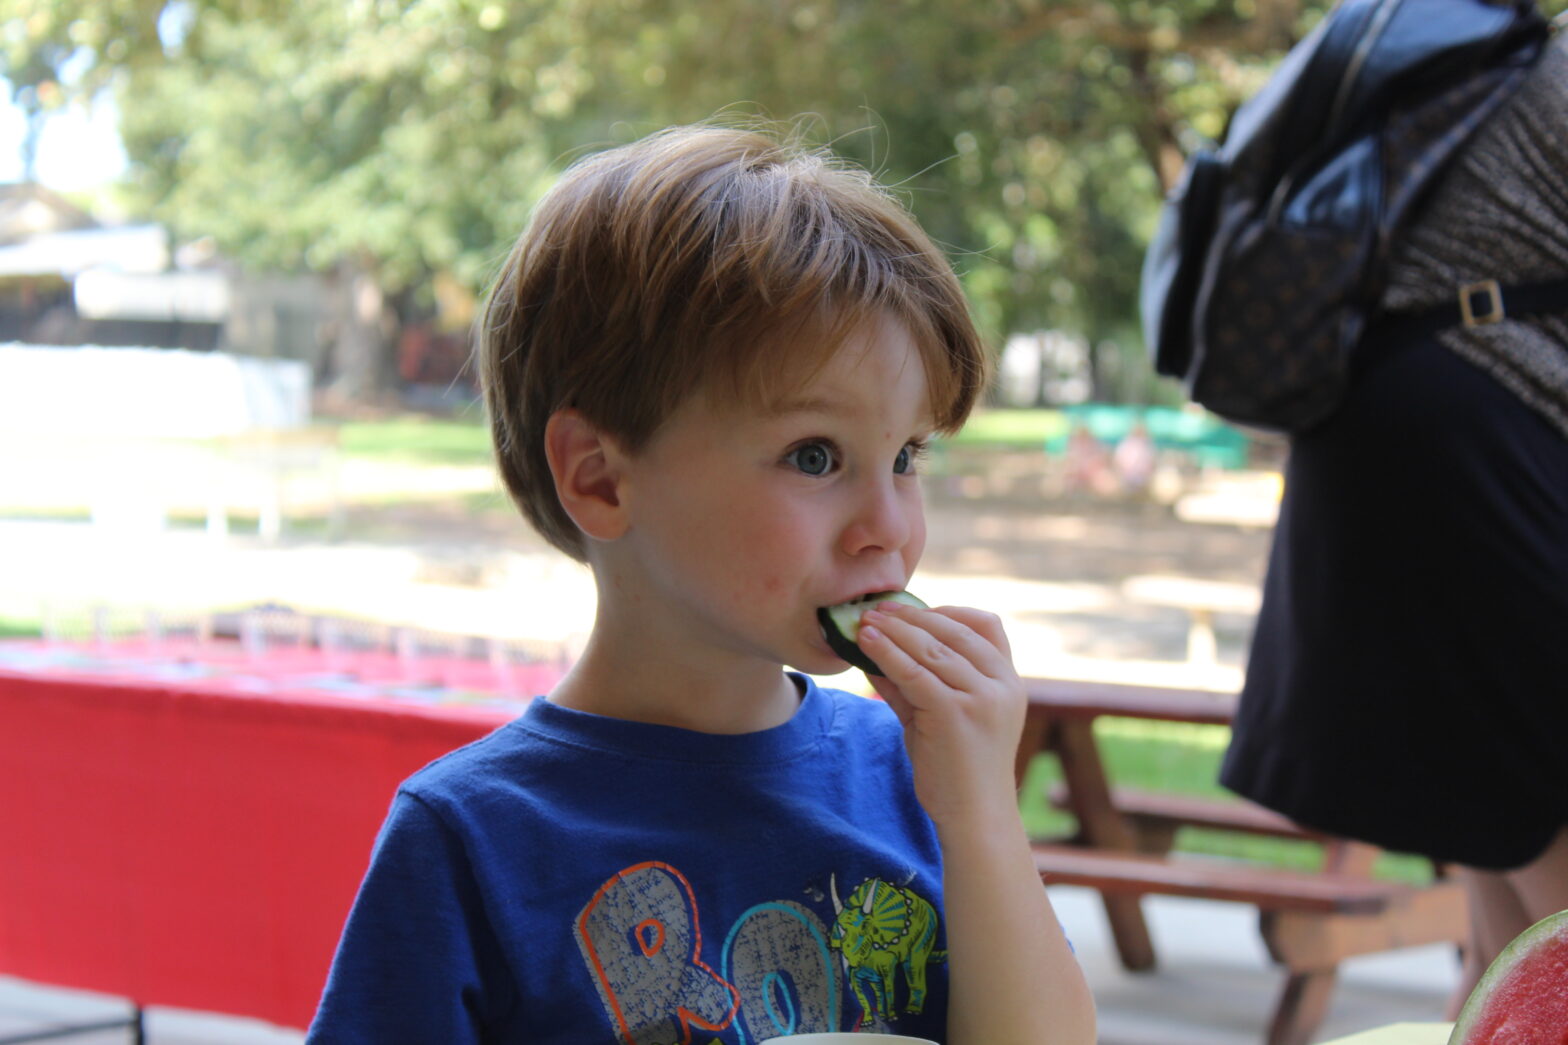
(868, 632)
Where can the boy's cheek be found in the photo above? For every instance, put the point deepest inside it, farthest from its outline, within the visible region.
(770, 587)
(915, 548)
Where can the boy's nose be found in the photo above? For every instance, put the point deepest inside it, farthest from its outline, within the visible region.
(884, 520)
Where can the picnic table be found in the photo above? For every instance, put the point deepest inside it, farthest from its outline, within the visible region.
(1310, 920)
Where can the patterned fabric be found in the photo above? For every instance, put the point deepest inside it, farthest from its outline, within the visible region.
(579, 880)
(1502, 213)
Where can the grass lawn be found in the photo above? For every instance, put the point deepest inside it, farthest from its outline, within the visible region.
(1181, 758)
(1011, 429)
(418, 440)
(17, 628)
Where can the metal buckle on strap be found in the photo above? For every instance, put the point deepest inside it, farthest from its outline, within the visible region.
(1494, 295)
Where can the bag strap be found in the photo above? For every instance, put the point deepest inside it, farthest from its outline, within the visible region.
(1480, 304)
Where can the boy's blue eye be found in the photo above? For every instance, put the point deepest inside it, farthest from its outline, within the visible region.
(812, 458)
(904, 463)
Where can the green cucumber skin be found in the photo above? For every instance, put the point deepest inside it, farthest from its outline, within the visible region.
(844, 645)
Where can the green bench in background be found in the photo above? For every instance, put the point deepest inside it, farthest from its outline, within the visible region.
(1208, 440)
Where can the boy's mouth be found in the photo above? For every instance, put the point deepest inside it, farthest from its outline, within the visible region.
(840, 625)
(846, 609)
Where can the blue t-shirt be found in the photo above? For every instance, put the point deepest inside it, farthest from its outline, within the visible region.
(579, 879)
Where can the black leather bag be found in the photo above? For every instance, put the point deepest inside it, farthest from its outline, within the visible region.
(1268, 261)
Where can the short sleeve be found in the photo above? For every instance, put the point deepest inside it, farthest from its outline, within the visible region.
(418, 961)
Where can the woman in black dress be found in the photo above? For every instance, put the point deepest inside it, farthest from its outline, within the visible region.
(1408, 679)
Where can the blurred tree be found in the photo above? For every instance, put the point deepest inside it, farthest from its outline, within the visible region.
(1035, 138)
(399, 144)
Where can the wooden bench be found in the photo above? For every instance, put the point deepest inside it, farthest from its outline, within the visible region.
(1310, 921)
(1268, 888)
(1156, 817)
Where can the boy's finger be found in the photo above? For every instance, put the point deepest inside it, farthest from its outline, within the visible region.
(987, 625)
(959, 636)
(951, 649)
(914, 659)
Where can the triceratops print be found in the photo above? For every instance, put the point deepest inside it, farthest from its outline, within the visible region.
(879, 929)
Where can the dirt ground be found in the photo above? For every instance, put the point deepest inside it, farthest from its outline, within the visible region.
(1066, 542)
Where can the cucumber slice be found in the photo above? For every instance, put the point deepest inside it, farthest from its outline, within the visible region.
(841, 625)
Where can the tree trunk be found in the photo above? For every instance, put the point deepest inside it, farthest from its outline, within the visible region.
(363, 366)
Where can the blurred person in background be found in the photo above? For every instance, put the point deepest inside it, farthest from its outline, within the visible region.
(1133, 459)
(1408, 679)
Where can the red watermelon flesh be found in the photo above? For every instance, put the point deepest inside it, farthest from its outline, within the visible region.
(1523, 998)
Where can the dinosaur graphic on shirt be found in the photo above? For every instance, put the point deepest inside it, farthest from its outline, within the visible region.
(880, 930)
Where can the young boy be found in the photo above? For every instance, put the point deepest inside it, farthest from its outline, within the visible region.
(712, 362)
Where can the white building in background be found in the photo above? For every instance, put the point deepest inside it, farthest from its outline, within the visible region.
(67, 280)
(142, 249)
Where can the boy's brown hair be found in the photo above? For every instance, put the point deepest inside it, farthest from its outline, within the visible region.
(704, 258)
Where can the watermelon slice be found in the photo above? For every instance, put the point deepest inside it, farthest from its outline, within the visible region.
(1523, 998)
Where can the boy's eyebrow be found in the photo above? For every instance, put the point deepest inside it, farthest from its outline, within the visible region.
(824, 405)
(802, 405)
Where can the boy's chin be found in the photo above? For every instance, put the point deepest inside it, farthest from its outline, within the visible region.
(822, 662)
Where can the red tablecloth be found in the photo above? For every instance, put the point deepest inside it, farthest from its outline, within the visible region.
(196, 840)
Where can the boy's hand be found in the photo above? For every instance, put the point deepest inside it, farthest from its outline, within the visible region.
(951, 681)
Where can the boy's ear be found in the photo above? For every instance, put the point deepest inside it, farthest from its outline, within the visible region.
(586, 465)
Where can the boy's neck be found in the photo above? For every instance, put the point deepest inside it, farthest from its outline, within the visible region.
(643, 686)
